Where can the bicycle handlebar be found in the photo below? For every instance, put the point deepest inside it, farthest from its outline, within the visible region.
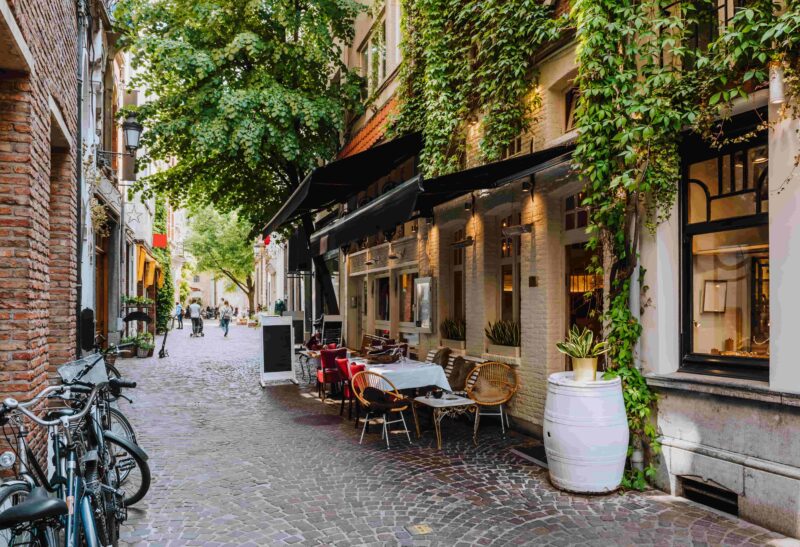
(12, 404)
(42, 394)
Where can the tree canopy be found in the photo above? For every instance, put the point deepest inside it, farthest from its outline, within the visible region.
(221, 244)
(243, 96)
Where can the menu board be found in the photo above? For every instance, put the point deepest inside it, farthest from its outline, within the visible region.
(332, 329)
(277, 349)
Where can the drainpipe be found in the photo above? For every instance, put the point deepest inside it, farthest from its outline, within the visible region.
(637, 456)
(81, 15)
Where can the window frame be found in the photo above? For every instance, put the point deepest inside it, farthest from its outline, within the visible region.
(457, 266)
(713, 365)
(515, 261)
(399, 274)
(376, 305)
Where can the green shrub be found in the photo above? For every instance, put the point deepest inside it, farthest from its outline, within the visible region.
(454, 329)
(503, 333)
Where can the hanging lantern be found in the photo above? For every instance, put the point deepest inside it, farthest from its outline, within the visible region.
(776, 91)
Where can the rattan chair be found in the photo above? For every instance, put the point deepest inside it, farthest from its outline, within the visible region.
(492, 384)
(378, 396)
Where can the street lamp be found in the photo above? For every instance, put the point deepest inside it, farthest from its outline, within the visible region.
(132, 131)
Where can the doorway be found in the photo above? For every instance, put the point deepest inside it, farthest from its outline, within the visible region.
(101, 249)
(584, 292)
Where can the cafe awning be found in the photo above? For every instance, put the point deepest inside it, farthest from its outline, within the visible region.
(492, 175)
(338, 180)
(383, 213)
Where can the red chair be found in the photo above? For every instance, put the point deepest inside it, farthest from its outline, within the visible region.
(328, 371)
(354, 368)
(344, 373)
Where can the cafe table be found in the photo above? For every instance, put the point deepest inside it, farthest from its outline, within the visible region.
(448, 405)
(409, 374)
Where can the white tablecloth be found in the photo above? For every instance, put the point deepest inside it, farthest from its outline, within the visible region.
(411, 374)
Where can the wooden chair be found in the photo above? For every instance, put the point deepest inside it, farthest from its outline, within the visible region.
(378, 396)
(492, 384)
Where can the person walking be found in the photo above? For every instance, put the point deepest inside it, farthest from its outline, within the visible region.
(179, 314)
(194, 313)
(226, 312)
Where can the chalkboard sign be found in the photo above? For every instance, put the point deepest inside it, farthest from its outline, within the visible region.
(277, 348)
(332, 329)
(298, 324)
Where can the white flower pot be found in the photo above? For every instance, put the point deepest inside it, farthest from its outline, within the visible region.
(585, 433)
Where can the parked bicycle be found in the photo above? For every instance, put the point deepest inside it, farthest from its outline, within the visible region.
(96, 472)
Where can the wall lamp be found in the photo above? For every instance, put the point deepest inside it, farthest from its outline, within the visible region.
(517, 230)
(466, 242)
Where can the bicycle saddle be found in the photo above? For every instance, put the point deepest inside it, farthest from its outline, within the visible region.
(37, 506)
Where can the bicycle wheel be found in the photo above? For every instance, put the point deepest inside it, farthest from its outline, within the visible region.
(129, 472)
(120, 425)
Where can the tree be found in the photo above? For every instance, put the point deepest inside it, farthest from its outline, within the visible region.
(222, 245)
(245, 97)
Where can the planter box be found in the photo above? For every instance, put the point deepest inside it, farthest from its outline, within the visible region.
(142, 353)
(504, 351)
(460, 345)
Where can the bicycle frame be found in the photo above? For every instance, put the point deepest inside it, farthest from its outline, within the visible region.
(80, 516)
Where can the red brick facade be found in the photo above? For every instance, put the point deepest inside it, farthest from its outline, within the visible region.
(38, 199)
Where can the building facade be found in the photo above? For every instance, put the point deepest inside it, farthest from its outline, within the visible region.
(717, 343)
(39, 207)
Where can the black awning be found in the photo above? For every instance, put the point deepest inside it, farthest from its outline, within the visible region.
(299, 259)
(383, 213)
(338, 180)
(492, 175)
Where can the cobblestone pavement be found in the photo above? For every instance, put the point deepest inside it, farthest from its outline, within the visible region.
(235, 464)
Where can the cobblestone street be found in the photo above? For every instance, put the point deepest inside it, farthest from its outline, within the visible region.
(234, 464)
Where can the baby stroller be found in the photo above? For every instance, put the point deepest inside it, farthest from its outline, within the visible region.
(197, 327)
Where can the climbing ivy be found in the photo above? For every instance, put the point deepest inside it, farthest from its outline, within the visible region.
(641, 85)
(465, 63)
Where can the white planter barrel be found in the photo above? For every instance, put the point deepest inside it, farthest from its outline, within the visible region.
(585, 433)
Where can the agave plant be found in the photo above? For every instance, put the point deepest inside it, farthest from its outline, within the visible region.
(503, 333)
(454, 329)
(580, 344)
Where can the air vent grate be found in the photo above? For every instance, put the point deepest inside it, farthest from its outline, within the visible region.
(711, 496)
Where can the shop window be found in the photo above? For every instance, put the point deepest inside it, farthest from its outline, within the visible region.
(406, 296)
(509, 270)
(382, 299)
(570, 104)
(726, 262)
(458, 287)
(576, 215)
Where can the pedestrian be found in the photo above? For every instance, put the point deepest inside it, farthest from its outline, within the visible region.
(179, 314)
(236, 311)
(225, 316)
(194, 313)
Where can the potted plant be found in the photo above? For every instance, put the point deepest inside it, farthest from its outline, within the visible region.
(454, 333)
(583, 352)
(504, 338)
(127, 346)
(144, 345)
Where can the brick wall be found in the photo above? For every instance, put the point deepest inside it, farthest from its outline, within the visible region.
(37, 226)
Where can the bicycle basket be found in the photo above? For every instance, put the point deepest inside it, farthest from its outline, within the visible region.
(89, 370)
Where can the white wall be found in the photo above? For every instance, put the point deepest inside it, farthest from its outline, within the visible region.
(784, 243)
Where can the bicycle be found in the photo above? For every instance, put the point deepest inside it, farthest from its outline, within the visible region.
(107, 462)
